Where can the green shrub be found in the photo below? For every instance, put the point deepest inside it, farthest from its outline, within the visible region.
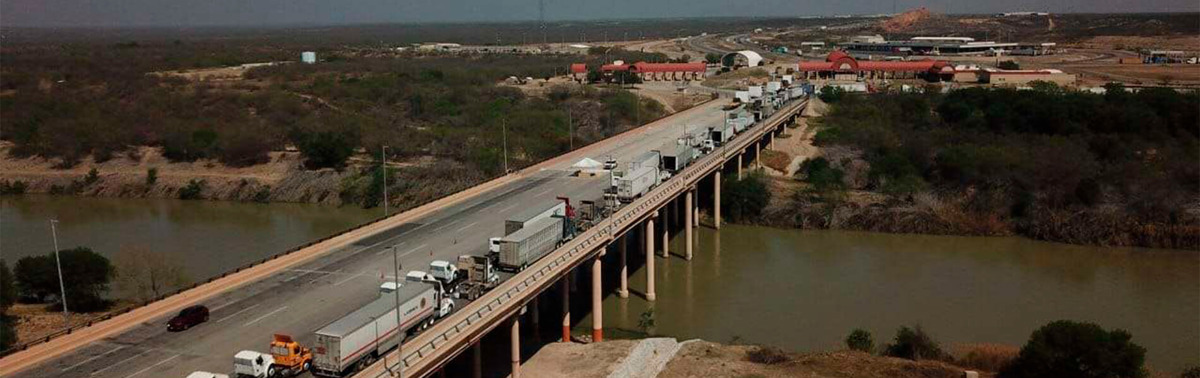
(327, 149)
(745, 199)
(831, 94)
(767, 355)
(151, 176)
(861, 340)
(92, 176)
(1066, 348)
(822, 175)
(192, 190)
(914, 344)
(14, 187)
(263, 195)
(1009, 65)
(85, 273)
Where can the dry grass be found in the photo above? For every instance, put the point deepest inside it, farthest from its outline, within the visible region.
(776, 160)
(984, 357)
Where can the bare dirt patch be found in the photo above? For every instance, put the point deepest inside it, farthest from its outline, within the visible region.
(707, 359)
(595, 360)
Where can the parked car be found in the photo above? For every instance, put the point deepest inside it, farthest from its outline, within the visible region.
(188, 318)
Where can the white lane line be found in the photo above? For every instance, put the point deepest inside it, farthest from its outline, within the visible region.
(347, 279)
(506, 209)
(414, 250)
(439, 228)
(121, 363)
(96, 357)
(236, 313)
(256, 320)
(152, 366)
(460, 229)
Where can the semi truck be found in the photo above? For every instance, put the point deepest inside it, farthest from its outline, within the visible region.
(676, 155)
(480, 276)
(719, 135)
(287, 358)
(530, 243)
(634, 183)
(525, 218)
(356, 340)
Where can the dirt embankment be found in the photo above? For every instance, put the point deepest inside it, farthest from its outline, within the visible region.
(129, 175)
(699, 358)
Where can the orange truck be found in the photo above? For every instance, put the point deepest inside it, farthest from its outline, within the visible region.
(287, 358)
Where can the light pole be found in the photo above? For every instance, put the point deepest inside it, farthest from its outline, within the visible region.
(58, 262)
(383, 169)
(570, 128)
(504, 133)
(399, 328)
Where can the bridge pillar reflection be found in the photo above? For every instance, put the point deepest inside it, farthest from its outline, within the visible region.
(687, 224)
(666, 225)
(515, 337)
(597, 296)
(650, 258)
(717, 199)
(566, 309)
(696, 209)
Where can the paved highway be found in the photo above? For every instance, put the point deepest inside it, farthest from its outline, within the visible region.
(303, 298)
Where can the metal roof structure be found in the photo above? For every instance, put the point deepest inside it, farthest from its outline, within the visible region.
(752, 58)
(839, 61)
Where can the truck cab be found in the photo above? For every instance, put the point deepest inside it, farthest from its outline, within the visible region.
(494, 245)
(443, 271)
(248, 363)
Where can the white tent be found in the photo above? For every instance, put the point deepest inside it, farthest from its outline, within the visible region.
(588, 163)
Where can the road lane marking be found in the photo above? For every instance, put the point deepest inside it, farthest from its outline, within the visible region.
(256, 320)
(506, 209)
(397, 245)
(439, 228)
(93, 358)
(236, 313)
(121, 363)
(152, 366)
(460, 229)
(415, 249)
(347, 279)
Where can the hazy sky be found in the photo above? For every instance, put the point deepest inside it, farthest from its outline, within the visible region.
(283, 12)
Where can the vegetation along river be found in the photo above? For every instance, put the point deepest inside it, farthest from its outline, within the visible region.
(806, 290)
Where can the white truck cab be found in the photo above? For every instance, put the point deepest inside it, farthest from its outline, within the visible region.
(494, 245)
(248, 363)
(443, 271)
(419, 276)
(388, 287)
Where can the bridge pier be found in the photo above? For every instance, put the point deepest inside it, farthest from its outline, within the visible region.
(650, 259)
(536, 319)
(771, 138)
(476, 360)
(758, 154)
(739, 165)
(687, 224)
(566, 309)
(622, 246)
(666, 225)
(515, 336)
(696, 209)
(717, 200)
(597, 296)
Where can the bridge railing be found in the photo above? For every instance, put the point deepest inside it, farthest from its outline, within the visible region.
(434, 347)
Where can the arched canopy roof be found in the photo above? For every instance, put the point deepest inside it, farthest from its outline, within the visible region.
(751, 58)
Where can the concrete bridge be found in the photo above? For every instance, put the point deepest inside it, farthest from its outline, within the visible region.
(505, 306)
(299, 291)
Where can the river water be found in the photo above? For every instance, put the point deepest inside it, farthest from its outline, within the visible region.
(205, 237)
(802, 290)
(806, 290)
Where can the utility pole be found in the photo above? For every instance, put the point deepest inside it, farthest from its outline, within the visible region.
(383, 170)
(570, 128)
(58, 262)
(400, 343)
(504, 133)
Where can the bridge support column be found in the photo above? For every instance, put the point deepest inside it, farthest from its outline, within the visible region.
(597, 307)
(717, 200)
(477, 361)
(536, 319)
(772, 140)
(566, 310)
(758, 154)
(622, 247)
(650, 259)
(666, 225)
(687, 224)
(696, 209)
(515, 337)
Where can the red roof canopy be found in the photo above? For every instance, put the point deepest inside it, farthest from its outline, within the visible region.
(641, 67)
(842, 62)
(578, 68)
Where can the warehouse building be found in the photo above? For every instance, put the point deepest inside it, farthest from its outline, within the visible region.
(1022, 78)
(929, 46)
(841, 66)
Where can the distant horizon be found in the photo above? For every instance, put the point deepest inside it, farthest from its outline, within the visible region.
(308, 13)
(531, 21)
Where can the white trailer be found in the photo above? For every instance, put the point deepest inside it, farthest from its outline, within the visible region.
(676, 156)
(719, 135)
(648, 159)
(633, 184)
(529, 216)
(529, 244)
(359, 338)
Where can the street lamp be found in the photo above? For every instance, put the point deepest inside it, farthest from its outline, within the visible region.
(504, 133)
(399, 328)
(58, 263)
(383, 169)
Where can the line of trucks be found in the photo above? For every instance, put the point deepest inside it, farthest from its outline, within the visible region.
(358, 339)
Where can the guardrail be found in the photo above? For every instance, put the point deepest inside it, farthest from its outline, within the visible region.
(451, 336)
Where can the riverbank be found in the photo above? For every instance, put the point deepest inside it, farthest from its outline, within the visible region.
(664, 357)
(852, 202)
